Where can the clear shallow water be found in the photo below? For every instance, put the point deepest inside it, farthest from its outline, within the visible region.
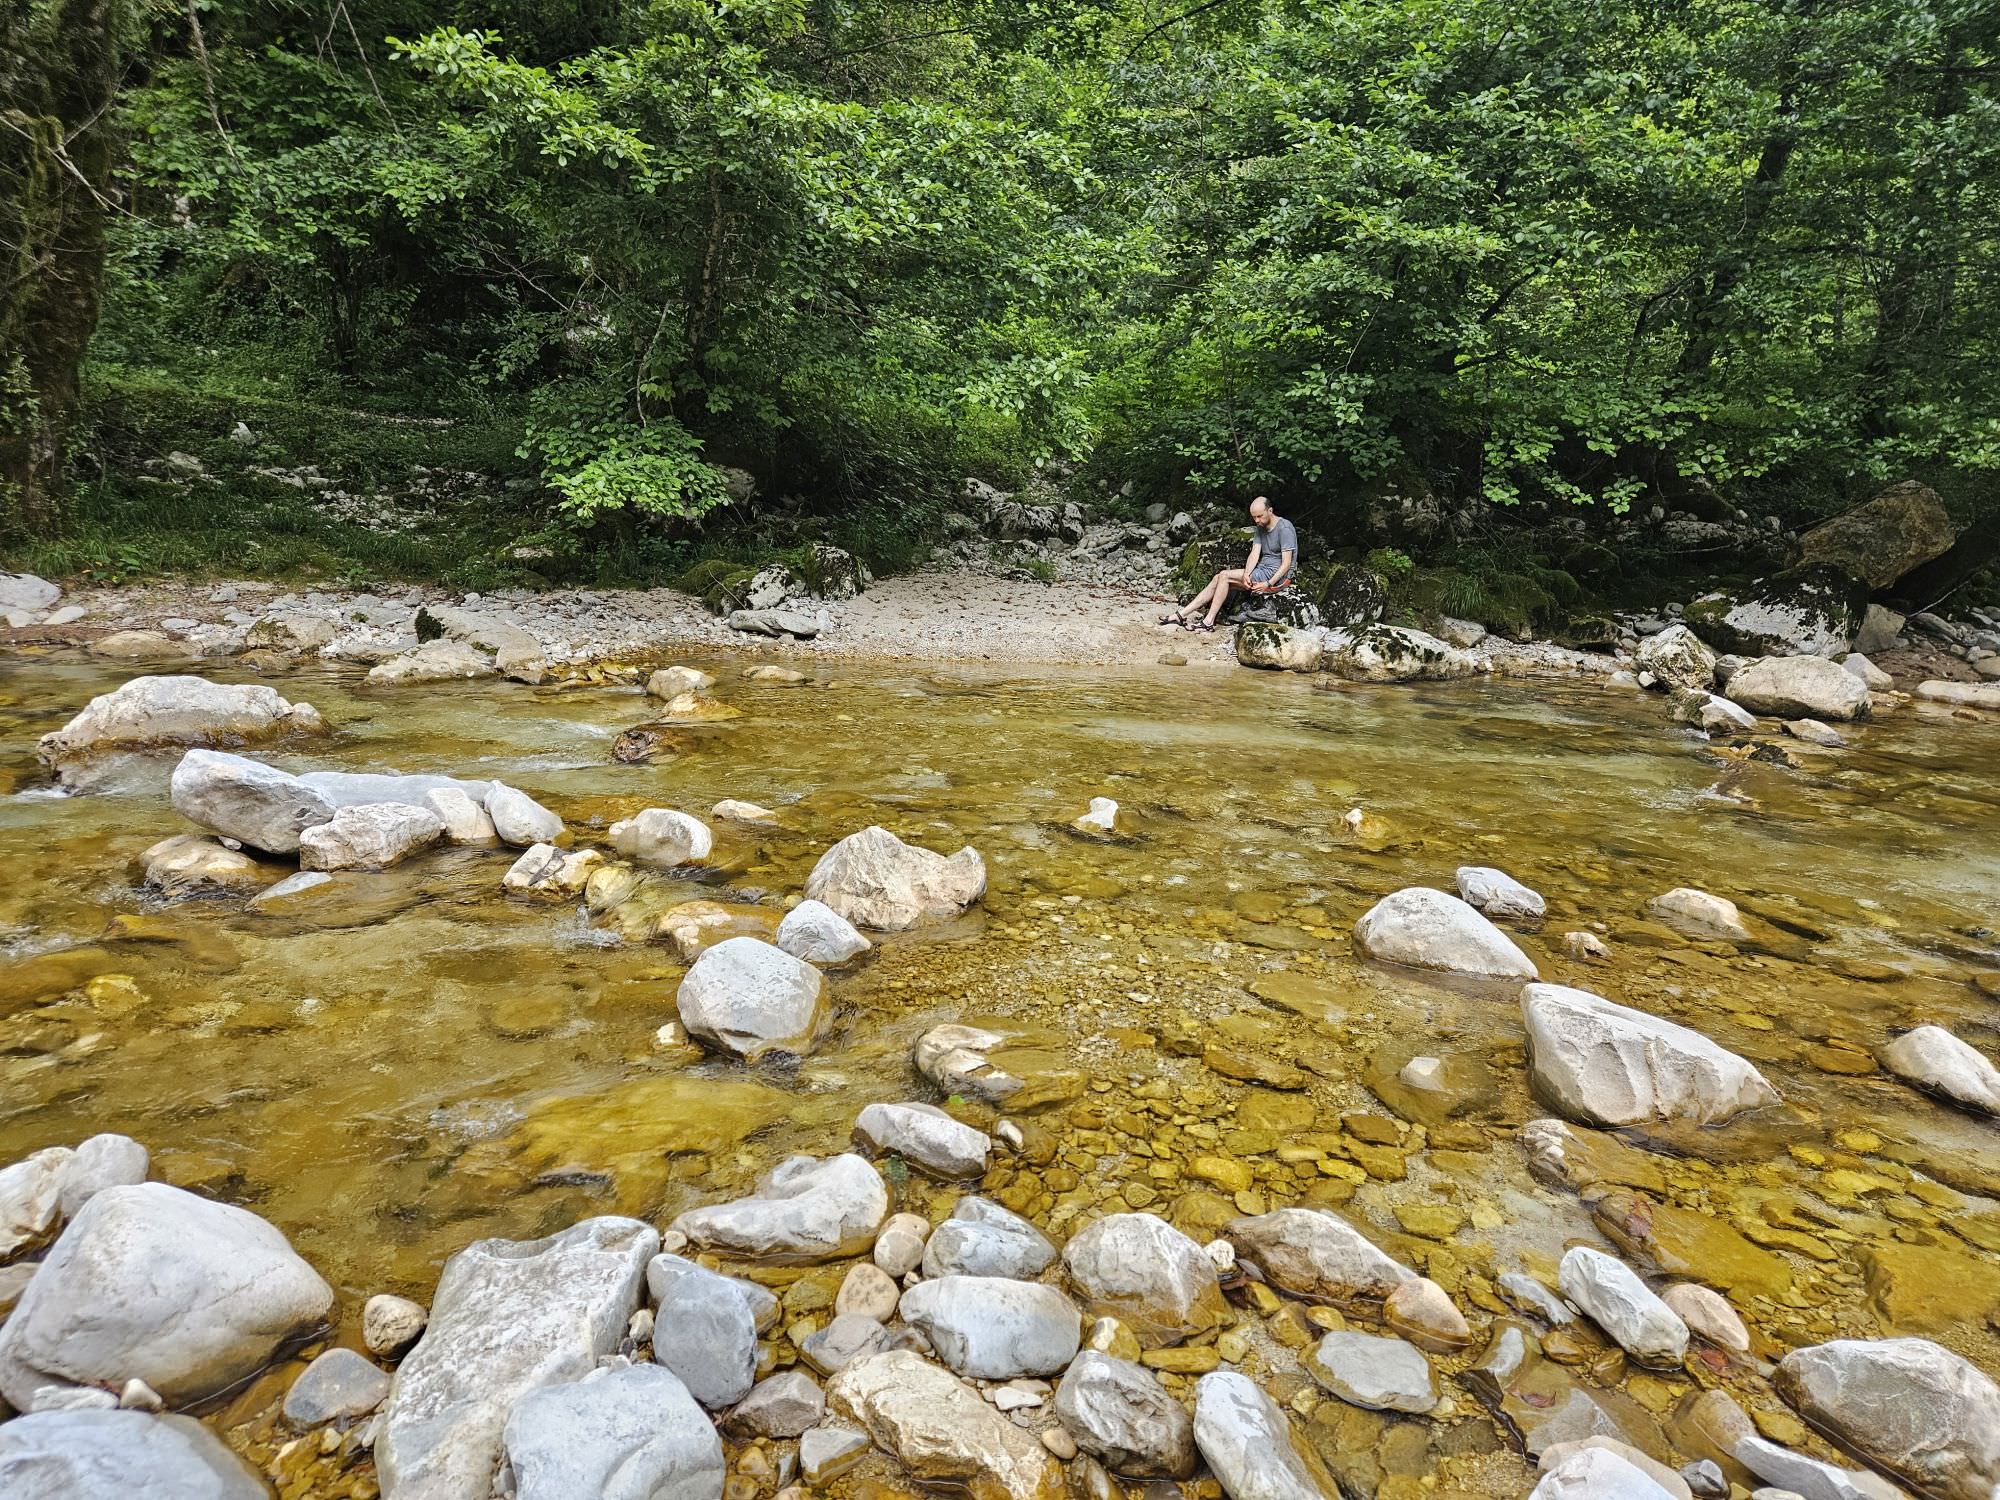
(427, 1061)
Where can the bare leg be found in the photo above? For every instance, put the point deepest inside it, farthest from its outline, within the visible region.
(1220, 587)
(1199, 602)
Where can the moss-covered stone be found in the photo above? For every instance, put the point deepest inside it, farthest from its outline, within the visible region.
(1354, 595)
(1813, 611)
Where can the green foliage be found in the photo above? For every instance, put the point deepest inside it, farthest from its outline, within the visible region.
(1508, 591)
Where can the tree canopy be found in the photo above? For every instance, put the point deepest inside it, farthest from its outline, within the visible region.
(1597, 252)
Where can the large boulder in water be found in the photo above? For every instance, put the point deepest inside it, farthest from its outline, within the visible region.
(155, 1283)
(246, 800)
(1898, 529)
(803, 1211)
(371, 836)
(1793, 687)
(116, 1455)
(632, 1432)
(752, 998)
(1312, 1253)
(1605, 1064)
(1807, 612)
(874, 879)
(509, 1317)
(1354, 595)
(152, 711)
(1394, 653)
(1246, 1440)
(1934, 1060)
(994, 1327)
(1122, 1416)
(1676, 658)
(1277, 647)
(1918, 1410)
(1428, 929)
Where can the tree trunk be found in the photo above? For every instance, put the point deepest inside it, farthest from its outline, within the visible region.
(58, 72)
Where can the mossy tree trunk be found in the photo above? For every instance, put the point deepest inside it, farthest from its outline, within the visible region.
(58, 72)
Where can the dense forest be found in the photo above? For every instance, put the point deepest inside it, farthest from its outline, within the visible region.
(574, 264)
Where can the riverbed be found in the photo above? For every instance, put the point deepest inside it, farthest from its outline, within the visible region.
(427, 1060)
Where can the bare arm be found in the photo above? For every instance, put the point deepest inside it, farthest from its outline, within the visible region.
(1284, 570)
(1250, 565)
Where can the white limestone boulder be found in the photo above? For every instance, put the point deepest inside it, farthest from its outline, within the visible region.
(189, 865)
(1278, 648)
(751, 998)
(804, 1210)
(1121, 1415)
(1676, 658)
(1141, 1270)
(874, 879)
(1590, 1473)
(1611, 1294)
(703, 1330)
(942, 1431)
(1381, 1374)
(817, 933)
(1793, 687)
(1429, 929)
(246, 800)
(1605, 1064)
(1699, 914)
(662, 836)
(1310, 1252)
(1246, 1440)
(1498, 895)
(153, 1283)
(371, 836)
(509, 1317)
(926, 1137)
(629, 1431)
(1932, 1059)
(1395, 653)
(154, 711)
(113, 1455)
(519, 819)
(993, 1327)
(981, 1238)
(1917, 1409)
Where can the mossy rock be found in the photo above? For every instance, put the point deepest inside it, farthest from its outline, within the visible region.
(1806, 612)
(1354, 595)
(1202, 559)
(1587, 633)
(718, 584)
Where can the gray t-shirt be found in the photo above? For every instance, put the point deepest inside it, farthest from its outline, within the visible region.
(1275, 541)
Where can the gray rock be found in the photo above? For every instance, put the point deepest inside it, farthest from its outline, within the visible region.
(153, 711)
(1705, 1479)
(995, 1328)
(1813, 612)
(27, 593)
(831, 1450)
(940, 1429)
(357, 788)
(1932, 1059)
(1605, 1064)
(1594, 1473)
(662, 836)
(338, 1386)
(874, 879)
(1918, 1410)
(817, 933)
(1141, 1270)
(289, 632)
(1382, 1374)
(246, 800)
(1787, 1472)
(276, 896)
(371, 836)
(1247, 1442)
(1712, 714)
(1312, 1253)
(1872, 677)
(1698, 914)
(962, 1060)
(803, 1211)
(1676, 658)
(1812, 732)
(1428, 929)
(1278, 648)
(1613, 1296)
(519, 819)
(1881, 630)
(670, 682)
(389, 1325)
(1531, 1297)
(1121, 1415)
(1984, 695)
(151, 1282)
(1878, 541)
(1499, 895)
(846, 1338)
(1708, 1315)
(435, 661)
(781, 1407)
(117, 1455)
(774, 622)
(983, 1239)
(1800, 687)
(31, 1198)
(1394, 653)
(465, 820)
(509, 1317)
(703, 1330)
(103, 1161)
(751, 998)
(626, 1433)
(188, 865)
(926, 1137)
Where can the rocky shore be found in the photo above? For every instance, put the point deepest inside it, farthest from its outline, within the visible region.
(953, 1301)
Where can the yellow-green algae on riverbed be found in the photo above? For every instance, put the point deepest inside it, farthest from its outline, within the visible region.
(419, 1060)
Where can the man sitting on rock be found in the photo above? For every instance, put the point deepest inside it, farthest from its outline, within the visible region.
(1274, 553)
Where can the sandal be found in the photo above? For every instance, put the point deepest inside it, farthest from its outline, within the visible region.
(1199, 625)
(1176, 618)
